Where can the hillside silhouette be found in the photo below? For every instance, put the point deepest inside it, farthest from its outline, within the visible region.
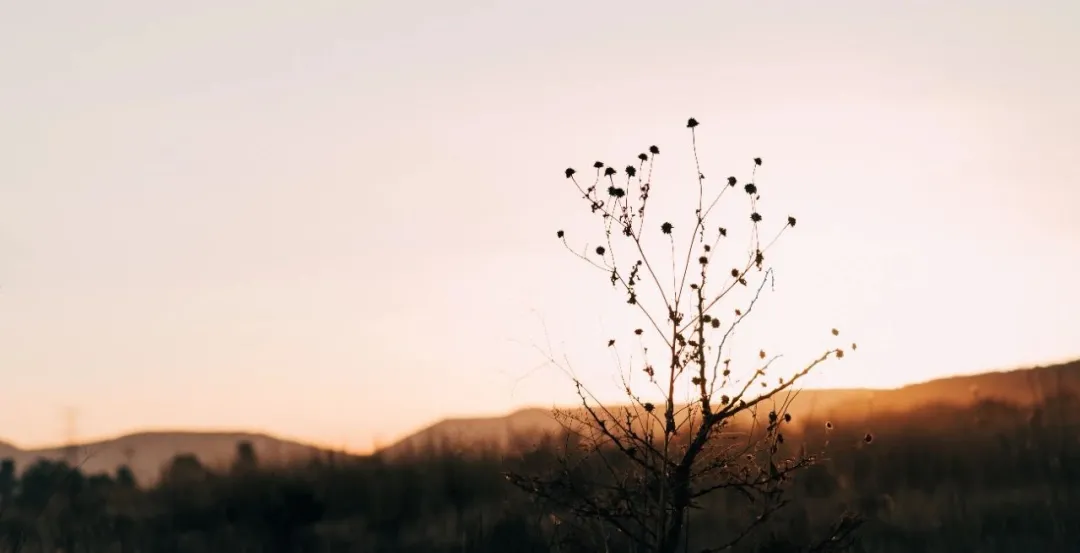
(1021, 387)
(146, 453)
(981, 463)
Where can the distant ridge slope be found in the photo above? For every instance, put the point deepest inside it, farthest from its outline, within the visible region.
(1017, 386)
(149, 452)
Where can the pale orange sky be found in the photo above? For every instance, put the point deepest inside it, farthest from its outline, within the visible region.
(335, 220)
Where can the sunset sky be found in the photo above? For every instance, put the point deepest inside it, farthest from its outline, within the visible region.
(336, 221)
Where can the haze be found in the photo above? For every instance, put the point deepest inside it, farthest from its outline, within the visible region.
(335, 220)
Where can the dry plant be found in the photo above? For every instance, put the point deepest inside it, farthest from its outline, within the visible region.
(631, 474)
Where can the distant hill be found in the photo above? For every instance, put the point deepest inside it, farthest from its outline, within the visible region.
(1021, 387)
(498, 432)
(148, 452)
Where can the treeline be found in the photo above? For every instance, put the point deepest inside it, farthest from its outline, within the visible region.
(988, 477)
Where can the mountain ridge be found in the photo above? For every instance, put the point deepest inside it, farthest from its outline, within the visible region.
(1025, 386)
(147, 451)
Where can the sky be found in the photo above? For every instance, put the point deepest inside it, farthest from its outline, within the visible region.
(335, 220)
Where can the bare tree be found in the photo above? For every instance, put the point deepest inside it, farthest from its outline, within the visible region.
(631, 474)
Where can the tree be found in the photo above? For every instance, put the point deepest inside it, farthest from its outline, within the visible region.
(125, 478)
(697, 429)
(185, 469)
(246, 460)
(7, 482)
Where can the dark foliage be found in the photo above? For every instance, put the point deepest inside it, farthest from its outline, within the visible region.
(989, 477)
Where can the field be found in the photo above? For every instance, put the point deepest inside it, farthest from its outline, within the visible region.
(988, 476)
